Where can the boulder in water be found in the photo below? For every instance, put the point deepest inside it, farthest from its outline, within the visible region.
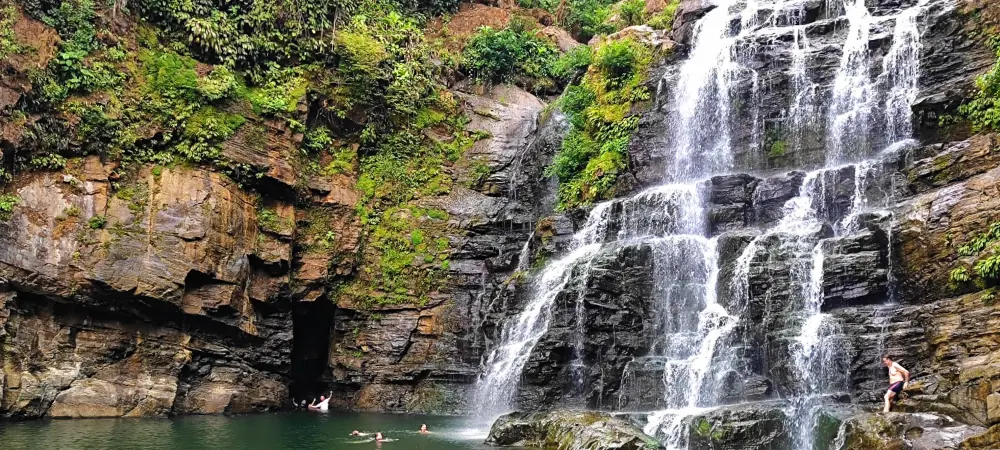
(564, 430)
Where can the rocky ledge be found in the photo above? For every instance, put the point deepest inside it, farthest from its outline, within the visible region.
(564, 430)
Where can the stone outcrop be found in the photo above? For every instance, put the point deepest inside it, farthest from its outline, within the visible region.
(424, 358)
(565, 430)
(138, 303)
(906, 431)
(750, 427)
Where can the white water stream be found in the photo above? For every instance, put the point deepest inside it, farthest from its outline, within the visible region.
(696, 332)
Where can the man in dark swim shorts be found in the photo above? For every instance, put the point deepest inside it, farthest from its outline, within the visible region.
(899, 379)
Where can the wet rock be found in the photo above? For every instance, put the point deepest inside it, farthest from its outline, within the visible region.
(928, 225)
(988, 440)
(855, 266)
(753, 426)
(770, 195)
(731, 202)
(565, 430)
(905, 431)
(687, 15)
(607, 313)
(509, 116)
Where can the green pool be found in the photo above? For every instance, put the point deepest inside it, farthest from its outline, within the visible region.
(299, 430)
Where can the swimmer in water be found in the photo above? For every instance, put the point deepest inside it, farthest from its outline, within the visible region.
(423, 429)
(378, 436)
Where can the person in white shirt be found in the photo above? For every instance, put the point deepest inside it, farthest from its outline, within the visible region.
(323, 405)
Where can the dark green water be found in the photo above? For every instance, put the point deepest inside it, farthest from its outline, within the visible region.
(301, 430)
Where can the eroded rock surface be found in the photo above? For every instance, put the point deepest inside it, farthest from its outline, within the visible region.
(565, 430)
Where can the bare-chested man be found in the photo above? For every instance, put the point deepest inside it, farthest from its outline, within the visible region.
(899, 379)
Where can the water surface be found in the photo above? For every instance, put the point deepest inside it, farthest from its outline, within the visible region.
(299, 430)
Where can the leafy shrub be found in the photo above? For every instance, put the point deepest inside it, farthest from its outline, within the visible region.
(279, 93)
(493, 56)
(573, 64)
(595, 149)
(7, 204)
(632, 12)
(984, 108)
(664, 20)
(985, 267)
(619, 60)
(548, 5)
(587, 18)
(256, 30)
(97, 222)
(8, 41)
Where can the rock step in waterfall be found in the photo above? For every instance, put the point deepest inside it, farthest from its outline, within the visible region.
(710, 336)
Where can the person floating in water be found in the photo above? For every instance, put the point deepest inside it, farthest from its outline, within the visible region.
(899, 379)
(423, 429)
(323, 405)
(378, 436)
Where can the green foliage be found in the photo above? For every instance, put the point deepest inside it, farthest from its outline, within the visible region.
(279, 92)
(573, 64)
(406, 269)
(317, 140)
(269, 220)
(989, 297)
(51, 161)
(548, 5)
(664, 20)
(984, 108)
(493, 56)
(778, 150)
(632, 12)
(981, 241)
(82, 63)
(587, 18)
(97, 222)
(988, 268)
(252, 31)
(7, 204)
(8, 41)
(620, 60)
(985, 264)
(385, 70)
(595, 150)
(959, 275)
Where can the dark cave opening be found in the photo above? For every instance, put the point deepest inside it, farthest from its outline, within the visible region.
(311, 323)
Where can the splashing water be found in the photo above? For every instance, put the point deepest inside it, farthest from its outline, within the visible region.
(867, 106)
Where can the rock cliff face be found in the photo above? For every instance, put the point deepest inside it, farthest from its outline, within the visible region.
(161, 311)
(886, 277)
(170, 293)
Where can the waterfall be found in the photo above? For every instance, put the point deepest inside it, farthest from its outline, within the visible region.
(802, 111)
(854, 91)
(497, 388)
(703, 335)
(901, 71)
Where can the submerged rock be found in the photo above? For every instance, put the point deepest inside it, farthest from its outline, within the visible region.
(564, 430)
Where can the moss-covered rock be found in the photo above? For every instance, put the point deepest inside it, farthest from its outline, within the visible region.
(905, 431)
(564, 430)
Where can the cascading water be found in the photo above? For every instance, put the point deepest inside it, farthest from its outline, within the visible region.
(700, 324)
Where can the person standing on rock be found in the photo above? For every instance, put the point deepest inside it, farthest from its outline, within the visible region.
(899, 379)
